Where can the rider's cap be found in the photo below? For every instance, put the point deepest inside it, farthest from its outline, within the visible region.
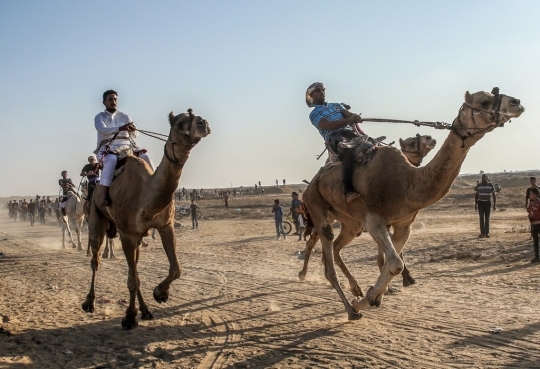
(310, 89)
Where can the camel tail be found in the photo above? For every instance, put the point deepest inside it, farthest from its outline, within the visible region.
(111, 231)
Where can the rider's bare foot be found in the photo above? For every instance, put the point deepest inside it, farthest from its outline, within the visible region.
(351, 196)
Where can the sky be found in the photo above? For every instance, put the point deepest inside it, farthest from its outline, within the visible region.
(244, 66)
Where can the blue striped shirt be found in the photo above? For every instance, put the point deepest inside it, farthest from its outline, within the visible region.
(484, 191)
(330, 111)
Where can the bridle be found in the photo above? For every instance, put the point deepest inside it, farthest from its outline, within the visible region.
(174, 159)
(496, 116)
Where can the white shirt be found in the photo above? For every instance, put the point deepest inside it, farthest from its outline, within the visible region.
(107, 124)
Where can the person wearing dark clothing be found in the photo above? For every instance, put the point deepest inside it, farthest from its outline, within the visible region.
(193, 210)
(534, 217)
(42, 211)
(484, 192)
(295, 204)
(91, 172)
(532, 181)
(32, 211)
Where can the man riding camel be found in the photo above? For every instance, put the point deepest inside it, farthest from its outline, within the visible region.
(66, 185)
(335, 125)
(115, 130)
(91, 172)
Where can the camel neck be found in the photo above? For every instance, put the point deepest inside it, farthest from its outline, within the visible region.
(433, 181)
(165, 181)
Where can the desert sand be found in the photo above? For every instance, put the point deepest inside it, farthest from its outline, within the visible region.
(239, 303)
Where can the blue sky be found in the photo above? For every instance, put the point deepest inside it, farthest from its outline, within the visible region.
(244, 66)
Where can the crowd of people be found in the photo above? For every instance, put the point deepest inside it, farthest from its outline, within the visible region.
(26, 211)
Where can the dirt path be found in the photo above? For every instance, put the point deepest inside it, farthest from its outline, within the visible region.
(239, 303)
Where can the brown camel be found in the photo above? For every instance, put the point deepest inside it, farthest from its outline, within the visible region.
(142, 200)
(414, 149)
(393, 192)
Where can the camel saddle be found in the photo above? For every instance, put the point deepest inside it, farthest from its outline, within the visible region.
(122, 154)
(364, 148)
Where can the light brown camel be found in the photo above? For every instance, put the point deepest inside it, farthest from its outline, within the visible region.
(414, 149)
(142, 200)
(74, 215)
(393, 192)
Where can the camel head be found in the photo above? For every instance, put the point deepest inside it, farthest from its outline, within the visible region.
(188, 128)
(482, 112)
(416, 148)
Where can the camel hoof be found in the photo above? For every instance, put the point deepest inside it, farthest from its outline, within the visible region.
(408, 281)
(355, 316)
(357, 291)
(392, 291)
(146, 315)
(88, 306)
(163, 297)
(129, 323)
(301, 276)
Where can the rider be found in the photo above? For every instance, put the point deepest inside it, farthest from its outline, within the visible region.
(112, 124)
(91, 171)
(66, 185)
(334, 124)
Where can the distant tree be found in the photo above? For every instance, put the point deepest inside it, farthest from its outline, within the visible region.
(481, 172)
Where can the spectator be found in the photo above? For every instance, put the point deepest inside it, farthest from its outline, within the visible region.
(295, 204)
(534, 217)
(226, 198)
(485, 191)
(532, 180)
(283, 182)
(42, 211)
(193, 209)
(277, 210)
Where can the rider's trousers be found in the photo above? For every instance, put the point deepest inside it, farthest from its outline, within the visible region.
(109, 166)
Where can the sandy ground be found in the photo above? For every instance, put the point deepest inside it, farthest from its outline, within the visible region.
(239, 303)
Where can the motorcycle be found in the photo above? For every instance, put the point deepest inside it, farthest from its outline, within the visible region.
(181, 211)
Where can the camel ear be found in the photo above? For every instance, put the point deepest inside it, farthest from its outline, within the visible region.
(171, 118)
(468, 98)
(401, 143)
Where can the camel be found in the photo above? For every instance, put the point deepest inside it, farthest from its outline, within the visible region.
(142, 200)
(75, 214)
(414, 149)
(393, 191)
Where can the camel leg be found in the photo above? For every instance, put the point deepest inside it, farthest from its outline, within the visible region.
(309, 247)
(78, 223)
(400, 237)
(145, 313)
(130, 246)
(161, 292)
(345, 237)
(392, 266)
(96, 229)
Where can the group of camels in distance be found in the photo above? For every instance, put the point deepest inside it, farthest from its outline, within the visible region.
(142, 199)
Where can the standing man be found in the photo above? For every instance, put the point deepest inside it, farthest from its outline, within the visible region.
(534, 217)
(226, 198)
(277, 210)
(484, 192)
(193, 210)
(32, 211)
(532, 181)
(335, 126)
(114, 128)
(91, 172)
(66, 185)
(295, 204)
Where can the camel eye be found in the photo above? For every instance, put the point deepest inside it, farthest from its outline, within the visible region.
(485, 104)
